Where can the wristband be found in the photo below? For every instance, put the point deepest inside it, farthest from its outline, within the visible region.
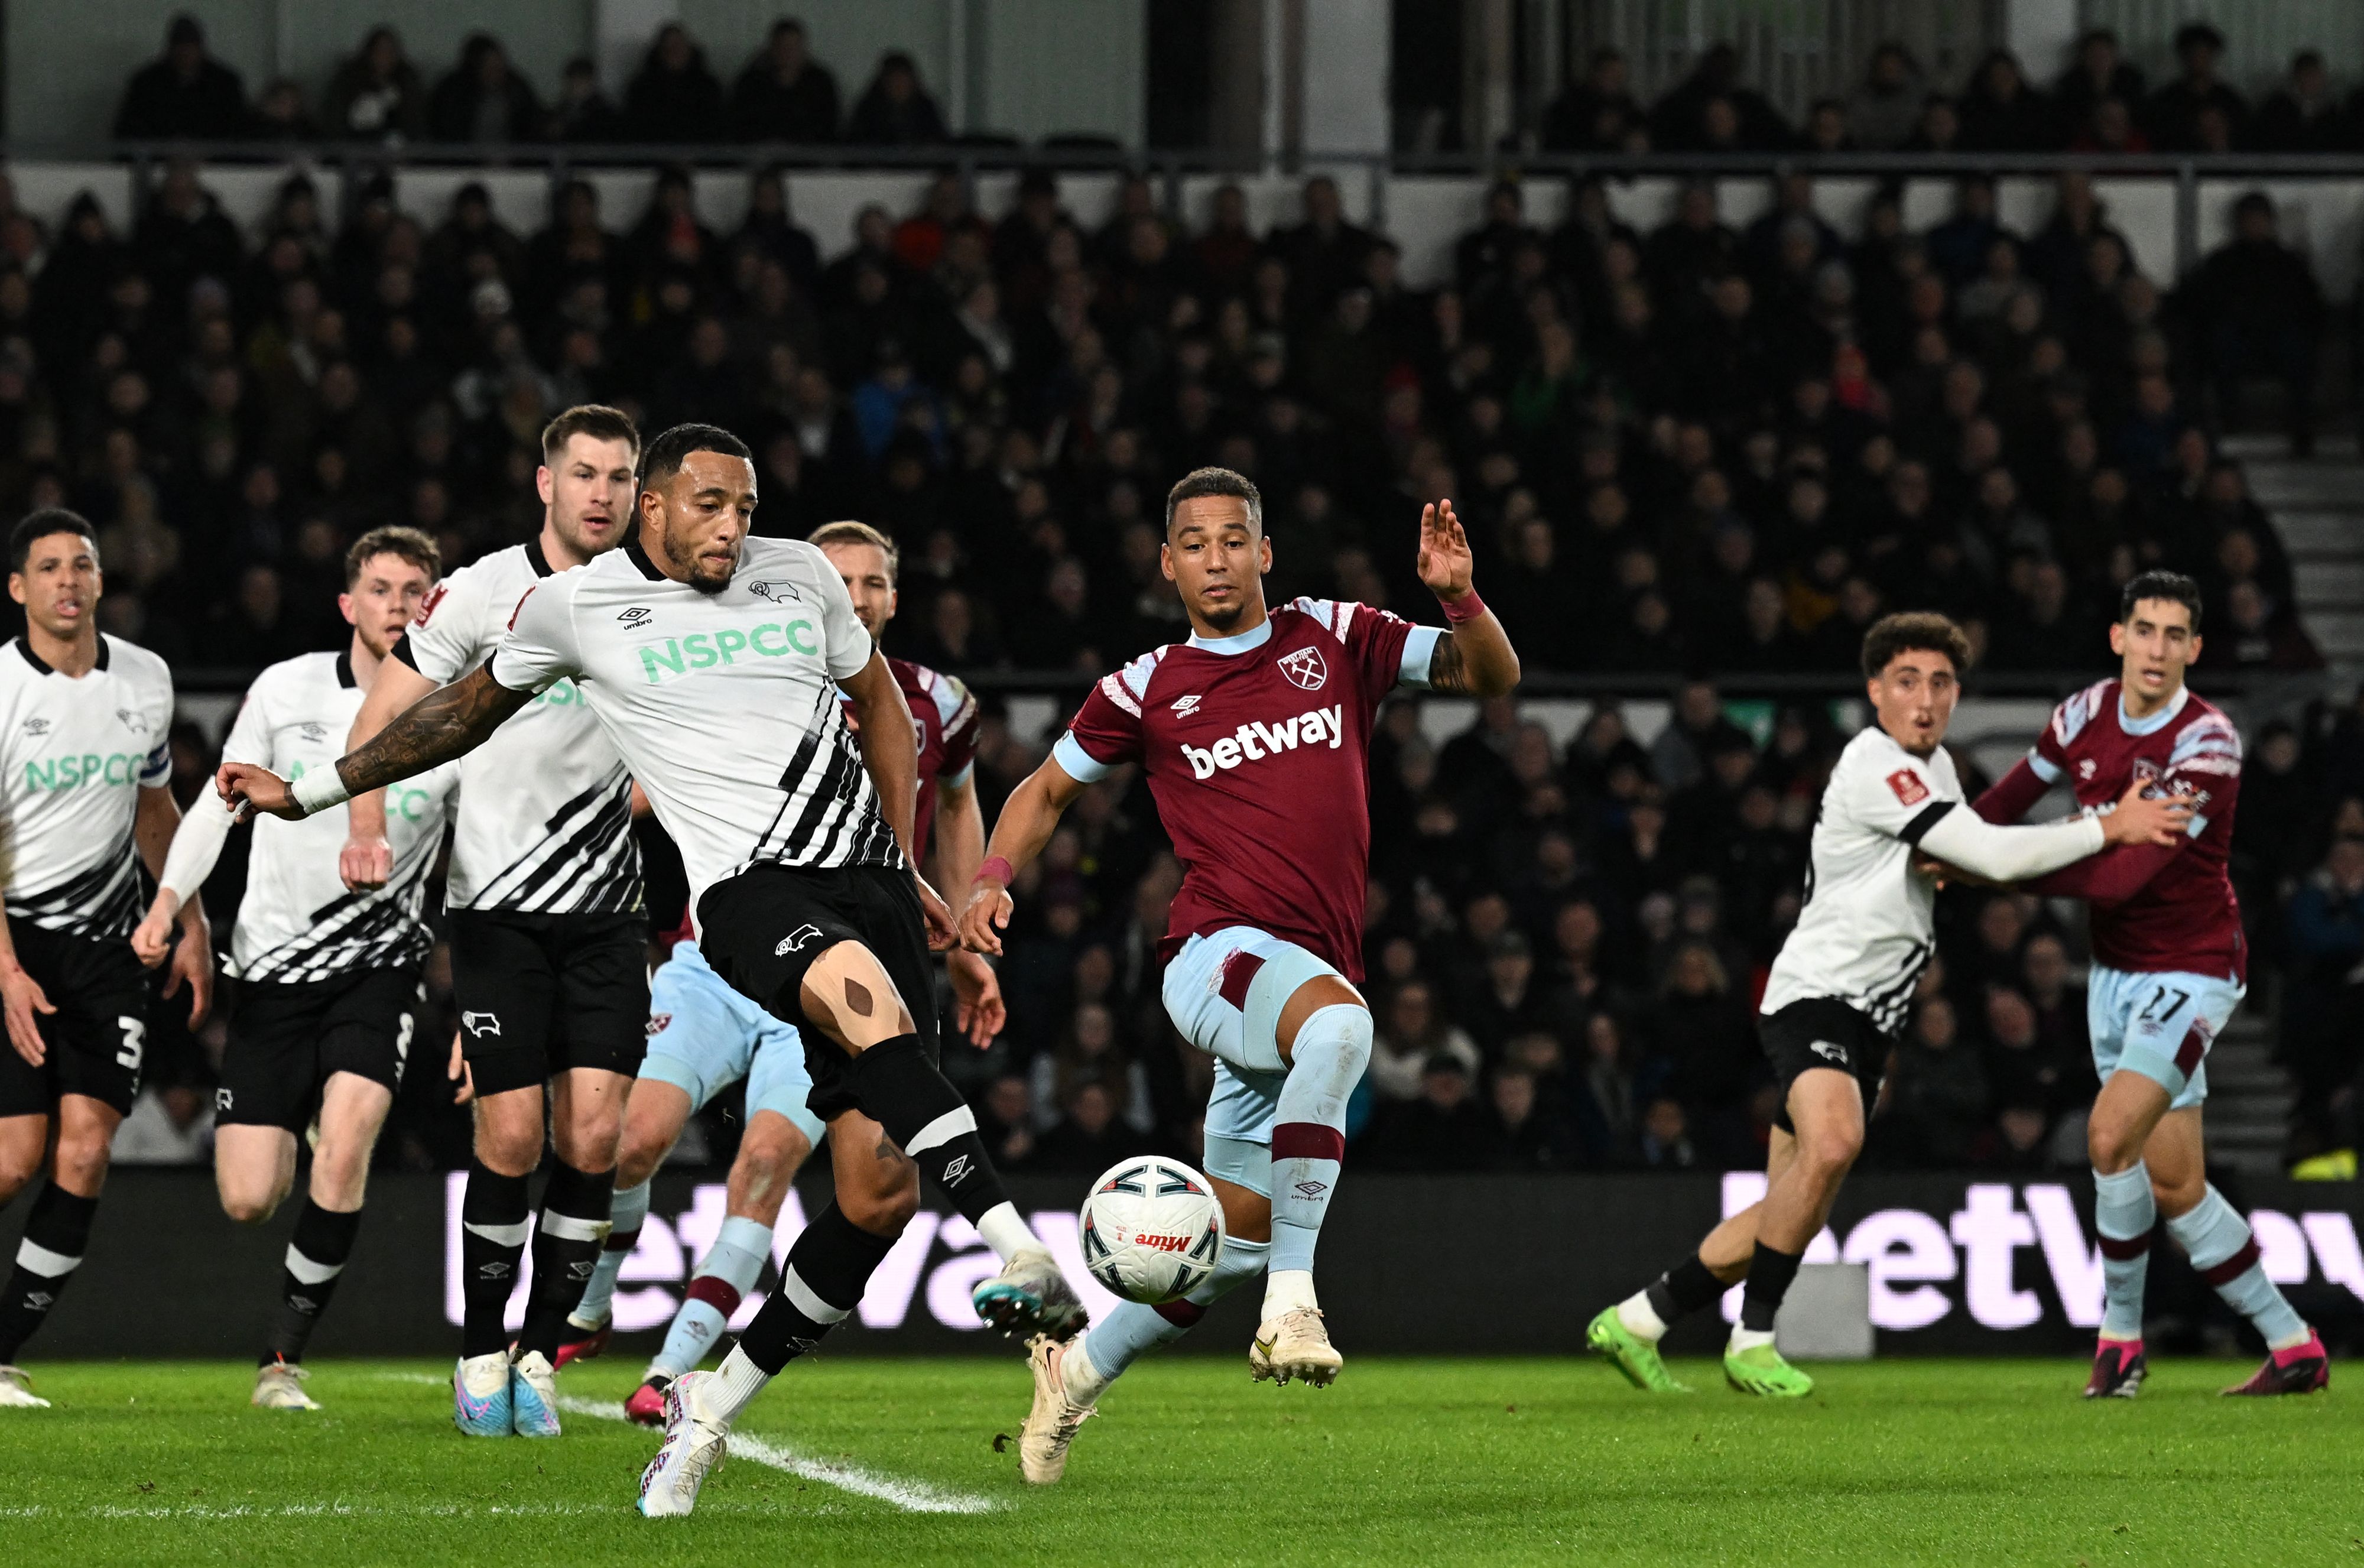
(997, 868)
(320, 789)
(1463, 610)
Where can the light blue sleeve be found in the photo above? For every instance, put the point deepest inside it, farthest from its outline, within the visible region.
(1076, 762)
(1418, 652)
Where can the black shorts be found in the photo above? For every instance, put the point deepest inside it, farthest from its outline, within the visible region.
(540, 994)
(98, 1035)
(761, 929)
(286, 1036)
(1824, 1032)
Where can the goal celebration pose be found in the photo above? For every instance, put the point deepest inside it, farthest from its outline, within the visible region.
(327, 992)
(85, 766)
(2169, 965)
(549, 941)
(717, 663)
(1842, 983)
(1254, 737)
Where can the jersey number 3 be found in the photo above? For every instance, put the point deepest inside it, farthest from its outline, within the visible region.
(135, 1041)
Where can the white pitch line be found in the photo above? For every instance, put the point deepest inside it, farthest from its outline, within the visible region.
(911, 1497)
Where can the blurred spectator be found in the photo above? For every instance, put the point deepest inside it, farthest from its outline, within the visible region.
(895, 110)
(2100, 73)
(1525, 1137)
(582, 112)
(1939, 1105)
(1412, 1032)
(1443, 1129)
(2301, 115)
(673, 96)
(2001, 113)
(1598, 114)
(169, 1124)
(2175, 115)
(2322, 1014)
(376, 94)
(184, 95)
(2256, 310)
(1089, 1138)
(1886, 109)
(785, 94)
(1665, 1143)
(482, 99)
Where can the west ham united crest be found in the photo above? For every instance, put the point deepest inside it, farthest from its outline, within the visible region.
(1305, 668)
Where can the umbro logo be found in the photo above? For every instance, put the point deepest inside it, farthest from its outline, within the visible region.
(136, 723)
(795, 940)
(1184, 707)
(636, 617)
(777, 592)
(1312, 1189)
(315, 733)
(2085, 766)
(1830, 1050)
(954, 1169)
(481, 1024)
(37, 727)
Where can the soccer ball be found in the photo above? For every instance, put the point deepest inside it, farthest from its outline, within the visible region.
(1151, 1229)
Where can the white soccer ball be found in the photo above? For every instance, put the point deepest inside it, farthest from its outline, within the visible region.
(1151, 1229)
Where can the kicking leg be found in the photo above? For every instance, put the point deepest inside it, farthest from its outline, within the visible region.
(1629, 1333)
(848, 994)
(352, 1109)
(1069, 1378)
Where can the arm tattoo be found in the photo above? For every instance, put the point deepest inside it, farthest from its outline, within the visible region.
(446, 723)
(1446, 670)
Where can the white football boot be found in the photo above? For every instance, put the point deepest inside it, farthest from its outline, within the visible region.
(15, 1390)
(1030, 1296)
(480, 1394)
(533, 1396)
(692, 1450)
(1295, 1344)
(279, 1386)
(1051, 1425)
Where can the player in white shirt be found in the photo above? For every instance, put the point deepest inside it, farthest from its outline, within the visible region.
(549, 940)
(85, 766)
(715, 662)
(1842, 983)
(327, 996)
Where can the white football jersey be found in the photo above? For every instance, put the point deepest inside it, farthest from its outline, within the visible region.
(548, 825)
(75, 754)
(1866, 932)
(297, 920)
(725, 705)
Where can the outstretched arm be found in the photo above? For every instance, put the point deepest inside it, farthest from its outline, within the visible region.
(1027, 821)
(447, 723)
(1475, 658)
(2013, 795)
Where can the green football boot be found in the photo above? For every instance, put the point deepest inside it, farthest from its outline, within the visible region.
(1630, 1353)
(1760, 1369)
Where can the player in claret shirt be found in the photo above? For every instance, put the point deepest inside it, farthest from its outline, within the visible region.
(2169, 965)
(1254, 735)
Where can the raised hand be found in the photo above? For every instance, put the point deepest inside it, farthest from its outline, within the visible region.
(1445, 565)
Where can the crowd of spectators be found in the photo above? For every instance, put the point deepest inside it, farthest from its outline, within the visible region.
(1681, 448)
(2100, 103)
(782, 94)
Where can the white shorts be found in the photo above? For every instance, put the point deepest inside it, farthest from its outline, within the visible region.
(705, 1037)
(1225, 992)
(2160, 1025)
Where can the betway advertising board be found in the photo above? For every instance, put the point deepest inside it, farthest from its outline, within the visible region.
(1958, 1264)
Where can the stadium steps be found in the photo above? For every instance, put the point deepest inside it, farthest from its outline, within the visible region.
(2318, 505)
(2248, 1097)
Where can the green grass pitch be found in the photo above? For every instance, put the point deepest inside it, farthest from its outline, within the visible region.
(1403, 1461)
